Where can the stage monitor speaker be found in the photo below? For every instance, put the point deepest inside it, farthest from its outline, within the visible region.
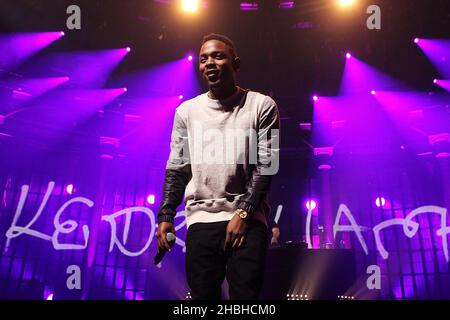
(314, 274)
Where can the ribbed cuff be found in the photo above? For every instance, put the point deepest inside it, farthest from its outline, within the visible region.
(165, 218)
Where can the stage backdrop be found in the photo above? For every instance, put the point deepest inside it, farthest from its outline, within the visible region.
(64, 215)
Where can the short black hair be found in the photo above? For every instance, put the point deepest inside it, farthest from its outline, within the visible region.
(222, 38)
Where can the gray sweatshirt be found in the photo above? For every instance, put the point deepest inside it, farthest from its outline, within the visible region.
(219, 143)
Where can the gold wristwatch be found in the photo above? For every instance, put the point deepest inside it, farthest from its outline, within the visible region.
(242, 214)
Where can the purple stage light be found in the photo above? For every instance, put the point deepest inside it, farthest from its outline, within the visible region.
(25, 89)
(335, 114)
(48, 294)
(179, 76)
(128, 49)
(69, 188)
(62, 33)
(180, 97)
(311, 204)
(416, 40)
(87, 69)
(444, 84)
(437, 51)
(17, 47)
(79, 104)
(355, 70)
(400, 103)
(151, 199)
(124, 89)
(411, 108)
(315, 98)
(373, 92)
(286, 4)
(248, 6)
(348, 55)
(190, 57)
(380, 202)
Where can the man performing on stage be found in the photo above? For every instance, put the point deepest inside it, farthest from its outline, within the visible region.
(224, 152)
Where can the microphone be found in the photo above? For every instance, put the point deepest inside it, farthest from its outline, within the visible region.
(170, 237)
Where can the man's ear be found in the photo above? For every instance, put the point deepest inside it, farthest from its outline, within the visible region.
(236, 63)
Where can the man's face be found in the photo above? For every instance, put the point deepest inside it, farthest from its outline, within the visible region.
(216, 63)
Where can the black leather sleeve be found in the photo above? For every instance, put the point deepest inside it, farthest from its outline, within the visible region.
(178, 171)
(256, 192)
(173, 191)
(267, 159)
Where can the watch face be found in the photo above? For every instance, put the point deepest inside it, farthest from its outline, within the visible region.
(243, 214)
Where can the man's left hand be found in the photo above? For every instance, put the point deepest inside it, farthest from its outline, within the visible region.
(236, 232)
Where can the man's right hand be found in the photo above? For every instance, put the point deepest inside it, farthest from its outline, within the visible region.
(161, 235)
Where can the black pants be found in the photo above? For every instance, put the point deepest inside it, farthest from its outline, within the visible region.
(207, 263)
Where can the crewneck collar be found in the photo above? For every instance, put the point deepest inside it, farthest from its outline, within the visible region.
(229, 102)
